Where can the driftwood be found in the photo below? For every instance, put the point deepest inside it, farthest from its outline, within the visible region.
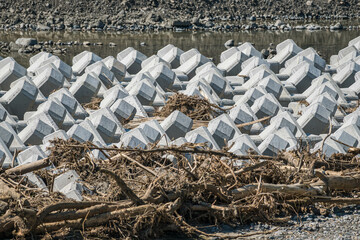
(29, 167)
(151, 193)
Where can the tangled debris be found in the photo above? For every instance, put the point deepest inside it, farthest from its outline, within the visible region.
(94, 104)
(147, 193)
(194, 107)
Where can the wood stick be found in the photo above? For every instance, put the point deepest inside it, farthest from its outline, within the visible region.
(29, 167)
(96, 220)
(248, 168)
(126, 190)
(253, 122)
(291, 189)
(183, 150)
(82, 213)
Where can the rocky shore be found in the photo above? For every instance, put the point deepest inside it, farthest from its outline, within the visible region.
(137, 15)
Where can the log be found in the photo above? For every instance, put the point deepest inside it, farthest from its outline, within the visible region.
(82, 213)
(333, 182)
(29, 167)
(96, 220)
(292, 189)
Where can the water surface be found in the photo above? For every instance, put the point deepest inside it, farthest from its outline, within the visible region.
(211, 44)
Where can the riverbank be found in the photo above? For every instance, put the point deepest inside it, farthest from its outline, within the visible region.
(138, 15)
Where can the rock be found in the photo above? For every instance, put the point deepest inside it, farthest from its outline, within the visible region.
(26, 42)
(229, 43)
(180, 24)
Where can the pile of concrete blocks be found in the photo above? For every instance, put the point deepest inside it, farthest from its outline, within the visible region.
(294, 99)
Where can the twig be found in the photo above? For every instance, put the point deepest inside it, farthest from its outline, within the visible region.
(126, 190)
(253, 122)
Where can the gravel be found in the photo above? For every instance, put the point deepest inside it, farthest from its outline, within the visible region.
(339, 223)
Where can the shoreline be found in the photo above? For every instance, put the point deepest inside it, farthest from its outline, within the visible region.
(331, 24)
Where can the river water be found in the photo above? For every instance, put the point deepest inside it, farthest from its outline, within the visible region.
(211, 44)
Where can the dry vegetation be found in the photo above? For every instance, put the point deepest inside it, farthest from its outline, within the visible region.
(140, 193)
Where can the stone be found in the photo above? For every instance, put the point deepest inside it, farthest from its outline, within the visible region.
(266, 105)
(85, 88)
(36, 129)
(277, 141)
(82, 60)
(228, 53)
(64, 68)
(68, 184)
(65, 97)
(25, 42)
(132, 60)
(20, 98)
(10, 71)
(345, 75)
(123, 110)
(80, 133)
(184, 57)
(232, 65)
(303, 76)
(283, 119)
(49, 80)
(327, 101)
(252, 63)
(140, 111)
(10, 137)
(6, 158)
(315, 119)
(286, 50)
(171, 54)
(241, 114)
(37, 60)
(154, 132)
(163, 75)
(202, 135)
(313, 56)
(189, 67)
(242, 145)
(329, 148)
(107, 125)
(116, 67)
(249, 50)
(144, 91)
(100, 70)
(135, 138)
(223, 129)
(112, 95)
(348, 134)
(29, 155)
(177, 125)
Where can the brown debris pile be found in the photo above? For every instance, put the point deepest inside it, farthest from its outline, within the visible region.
(147, 193)
(195, 107)
(94, 104)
